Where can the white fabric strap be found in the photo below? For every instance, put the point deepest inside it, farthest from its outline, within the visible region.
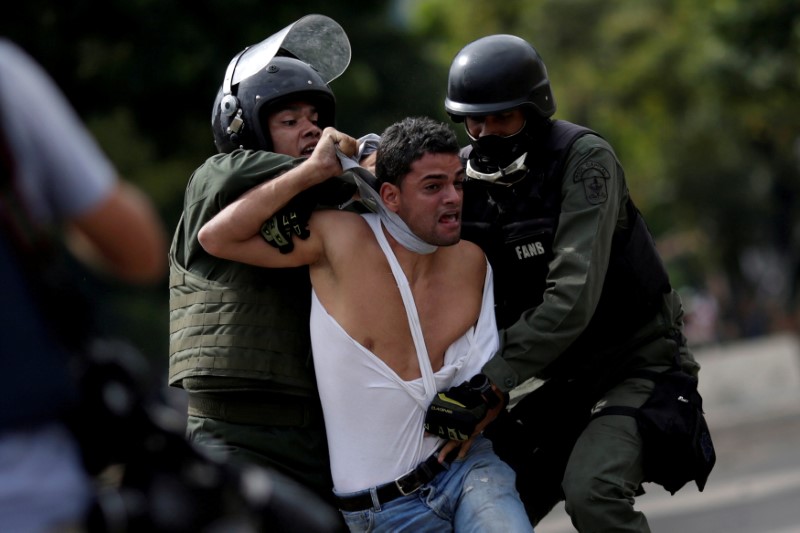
(393, 223)
(411, 308)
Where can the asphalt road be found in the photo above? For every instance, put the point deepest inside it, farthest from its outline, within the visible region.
(754, 487)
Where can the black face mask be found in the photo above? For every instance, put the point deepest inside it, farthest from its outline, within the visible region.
(499, 159)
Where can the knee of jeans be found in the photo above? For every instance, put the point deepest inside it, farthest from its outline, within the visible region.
(491, 477)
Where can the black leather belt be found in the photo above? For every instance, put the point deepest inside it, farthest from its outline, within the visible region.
(402, 486)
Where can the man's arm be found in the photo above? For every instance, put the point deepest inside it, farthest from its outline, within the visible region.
(234, 233)
(582, 249)
(110, 224)
(291, 221)
(123, 235)
(583, 245)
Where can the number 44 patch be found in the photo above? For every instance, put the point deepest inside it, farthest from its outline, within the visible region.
(594, 176)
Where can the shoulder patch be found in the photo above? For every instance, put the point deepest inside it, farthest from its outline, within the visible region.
(594, 176)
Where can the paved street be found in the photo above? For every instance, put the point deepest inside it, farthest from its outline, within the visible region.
(754, 488)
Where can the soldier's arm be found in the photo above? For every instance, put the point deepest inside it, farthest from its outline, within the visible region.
(235, 232)
(593, 193)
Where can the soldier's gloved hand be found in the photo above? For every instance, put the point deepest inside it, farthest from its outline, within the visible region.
(292, 220)
(289, 222)
(454, 413)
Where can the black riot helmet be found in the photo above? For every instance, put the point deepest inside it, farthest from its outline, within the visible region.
(296, 63)
(239, 117)
(497, 73)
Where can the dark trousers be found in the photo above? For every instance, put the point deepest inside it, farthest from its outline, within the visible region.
(559, 455)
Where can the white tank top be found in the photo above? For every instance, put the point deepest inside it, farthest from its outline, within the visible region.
(374, 419)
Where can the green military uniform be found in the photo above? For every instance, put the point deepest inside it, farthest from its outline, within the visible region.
(593, 206)
(239, 339)
(565, 332)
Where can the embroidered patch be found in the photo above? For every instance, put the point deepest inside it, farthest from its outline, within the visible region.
(594, 176)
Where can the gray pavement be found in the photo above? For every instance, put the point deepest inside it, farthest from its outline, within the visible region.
(751, 392)
(750, 380)
(754, 488)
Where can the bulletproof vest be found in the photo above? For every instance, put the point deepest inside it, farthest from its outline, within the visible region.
(253, 326)
(515, 226)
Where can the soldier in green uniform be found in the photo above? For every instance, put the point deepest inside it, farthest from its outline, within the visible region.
(583, 300)
(239, 338)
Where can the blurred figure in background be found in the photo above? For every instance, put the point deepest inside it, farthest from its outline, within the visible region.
(58, 189)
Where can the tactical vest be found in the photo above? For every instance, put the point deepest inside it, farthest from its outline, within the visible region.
(254, 328)
(515, 226)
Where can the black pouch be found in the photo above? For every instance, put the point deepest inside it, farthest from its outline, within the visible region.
(677, 442)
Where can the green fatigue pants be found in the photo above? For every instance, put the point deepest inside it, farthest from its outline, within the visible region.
(297, 451)
(604, 471)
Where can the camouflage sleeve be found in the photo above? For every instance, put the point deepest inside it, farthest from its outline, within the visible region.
(593, 198)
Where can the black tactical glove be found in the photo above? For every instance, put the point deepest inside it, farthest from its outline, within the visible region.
(289, 222)
(292, 220)
(455, 413)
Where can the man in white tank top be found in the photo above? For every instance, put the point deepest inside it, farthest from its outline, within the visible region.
(401, 310)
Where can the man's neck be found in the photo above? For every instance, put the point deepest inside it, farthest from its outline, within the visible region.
(393, 224)
(400, 232)
(414, 264)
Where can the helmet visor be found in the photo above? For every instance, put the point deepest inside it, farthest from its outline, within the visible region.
(315, 39)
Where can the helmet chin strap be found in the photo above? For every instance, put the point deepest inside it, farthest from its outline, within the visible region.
(507, 176)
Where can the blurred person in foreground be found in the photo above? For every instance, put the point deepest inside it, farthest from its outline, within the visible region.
(58, 189)
(582, 297)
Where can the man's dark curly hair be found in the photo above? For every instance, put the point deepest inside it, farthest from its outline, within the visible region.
(408, 140)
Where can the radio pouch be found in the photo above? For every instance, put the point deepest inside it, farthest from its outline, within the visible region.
(677, 442)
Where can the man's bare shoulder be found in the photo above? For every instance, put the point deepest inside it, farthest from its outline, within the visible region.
(326, 217)
(347, 245)
(471, 252)
(467, 260)
(340, 227)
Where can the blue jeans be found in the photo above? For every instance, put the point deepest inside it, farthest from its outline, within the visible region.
(475, 494)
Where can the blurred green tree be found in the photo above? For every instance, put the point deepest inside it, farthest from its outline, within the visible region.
(144, 79)
(699, 100)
